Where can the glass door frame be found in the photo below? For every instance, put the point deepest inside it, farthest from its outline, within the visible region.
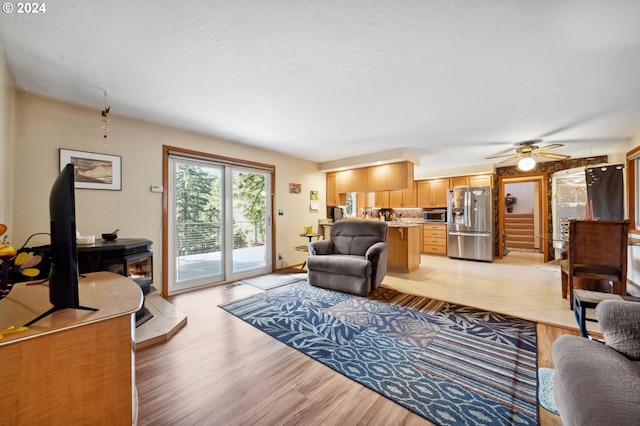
(168, 152)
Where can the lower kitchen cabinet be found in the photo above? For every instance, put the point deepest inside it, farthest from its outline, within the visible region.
(434, 238)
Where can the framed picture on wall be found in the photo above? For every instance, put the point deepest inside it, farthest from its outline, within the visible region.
(295, 188)
(93, 170)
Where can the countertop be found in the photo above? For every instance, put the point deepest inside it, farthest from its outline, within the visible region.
(398, 223)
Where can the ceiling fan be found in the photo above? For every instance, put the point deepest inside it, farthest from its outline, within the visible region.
(526, 150)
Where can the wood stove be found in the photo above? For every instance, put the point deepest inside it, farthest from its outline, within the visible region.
(131, 257)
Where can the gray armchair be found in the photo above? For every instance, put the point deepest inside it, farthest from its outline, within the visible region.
(353, 259)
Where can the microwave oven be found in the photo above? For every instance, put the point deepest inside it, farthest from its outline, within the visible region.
(434, 215)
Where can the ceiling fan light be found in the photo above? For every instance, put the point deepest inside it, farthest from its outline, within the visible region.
(526, 164)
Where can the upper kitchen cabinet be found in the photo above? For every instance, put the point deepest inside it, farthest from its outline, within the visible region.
(334, 197)
(432, 193)
(353, 180)
(473, 180)
(403, 198)
(481, 180)
(390, 177)
(383, 200)
(458, 181)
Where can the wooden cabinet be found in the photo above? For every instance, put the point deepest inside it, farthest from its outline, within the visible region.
(403, 198)
(458, 181)
(473, 180)
(383, 178)
(390, 177)
(72, 367)
(481, 180)
(434, 238)
(382, 199)
(334, 197)
(432, 193)
(353, 180)
(403, 248)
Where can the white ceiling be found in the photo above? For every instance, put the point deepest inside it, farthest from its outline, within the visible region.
(454, 81)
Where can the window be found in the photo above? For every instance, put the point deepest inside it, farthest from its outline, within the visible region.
(351, 207)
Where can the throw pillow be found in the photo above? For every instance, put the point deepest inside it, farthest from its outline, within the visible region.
(620, 325)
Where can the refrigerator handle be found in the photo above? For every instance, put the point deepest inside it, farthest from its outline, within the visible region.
(467, 208)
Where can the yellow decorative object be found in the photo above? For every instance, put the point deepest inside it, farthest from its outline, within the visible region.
(12, 329)
(308, 230)
(7, 250)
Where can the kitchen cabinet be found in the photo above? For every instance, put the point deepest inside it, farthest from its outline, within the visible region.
(481, 180)
(403, 247)
(473, 180)
(382, 199)
(390, 177)
(458, 181)
(432, 193)
(403, 198)
(353, 180)
(434, 238)
(396, 199)
(334, 198)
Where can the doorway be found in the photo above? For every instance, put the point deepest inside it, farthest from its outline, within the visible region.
(526, 219)
(218, 222)
(522, 217)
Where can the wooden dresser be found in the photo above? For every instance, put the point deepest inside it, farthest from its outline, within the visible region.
(74, 366)
(434, 238)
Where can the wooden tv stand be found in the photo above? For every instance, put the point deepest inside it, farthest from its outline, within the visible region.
(73, 366)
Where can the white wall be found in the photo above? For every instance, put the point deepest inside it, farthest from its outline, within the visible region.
(6, 143)
(523, 191)
(44, 125)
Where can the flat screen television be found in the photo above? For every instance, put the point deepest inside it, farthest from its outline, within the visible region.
(63, 276)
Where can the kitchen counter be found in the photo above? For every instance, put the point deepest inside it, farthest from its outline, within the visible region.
(402, 224)
(404, 244)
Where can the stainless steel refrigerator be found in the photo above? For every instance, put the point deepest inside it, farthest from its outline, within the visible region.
(470, 223)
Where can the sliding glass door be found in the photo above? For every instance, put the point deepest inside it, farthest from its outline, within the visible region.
(219, 226)
(250, 221)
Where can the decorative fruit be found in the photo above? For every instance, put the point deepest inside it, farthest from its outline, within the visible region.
(7, 250)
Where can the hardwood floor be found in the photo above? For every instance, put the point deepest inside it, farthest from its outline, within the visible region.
(218, 370)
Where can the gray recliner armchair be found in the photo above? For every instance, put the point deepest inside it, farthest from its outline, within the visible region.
(353, 259)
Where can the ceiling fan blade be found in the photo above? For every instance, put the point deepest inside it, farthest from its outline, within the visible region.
(552, 146)
(500, 156)
(554, 156)
(513, 157)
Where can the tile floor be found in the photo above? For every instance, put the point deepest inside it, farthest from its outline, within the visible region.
(518, 284)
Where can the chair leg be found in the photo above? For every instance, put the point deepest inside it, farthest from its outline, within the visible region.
(570, 279)
(565, 284)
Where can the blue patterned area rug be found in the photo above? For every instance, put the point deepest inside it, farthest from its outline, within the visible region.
(451, 364)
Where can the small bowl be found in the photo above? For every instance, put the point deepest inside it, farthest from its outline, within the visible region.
(109, 237)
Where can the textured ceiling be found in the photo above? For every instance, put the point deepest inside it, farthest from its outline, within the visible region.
(453, 81)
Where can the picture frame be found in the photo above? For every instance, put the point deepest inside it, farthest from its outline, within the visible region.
(295, 188)
(94, 170)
